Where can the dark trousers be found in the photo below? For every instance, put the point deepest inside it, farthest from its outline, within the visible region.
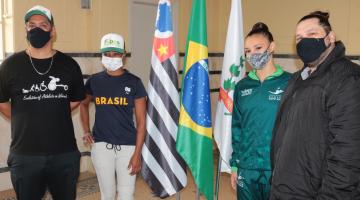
(32, 175)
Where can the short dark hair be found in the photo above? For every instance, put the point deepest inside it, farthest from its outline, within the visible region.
(323, 19)
(261, 28)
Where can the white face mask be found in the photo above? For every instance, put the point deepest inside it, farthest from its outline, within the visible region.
(111, 64)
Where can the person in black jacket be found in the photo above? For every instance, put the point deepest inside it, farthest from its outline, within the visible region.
(315, 149)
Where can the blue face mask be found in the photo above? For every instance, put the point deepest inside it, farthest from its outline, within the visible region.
(38, 37)
(310, 49)
(259, 60)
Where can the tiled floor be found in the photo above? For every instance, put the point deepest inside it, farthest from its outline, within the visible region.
(88, 189)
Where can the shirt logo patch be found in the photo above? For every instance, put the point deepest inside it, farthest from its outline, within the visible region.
(246, 92)
(277, 91)
(127, 90)
(276, 96)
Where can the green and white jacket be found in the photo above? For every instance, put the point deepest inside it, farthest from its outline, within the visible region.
(254, 113)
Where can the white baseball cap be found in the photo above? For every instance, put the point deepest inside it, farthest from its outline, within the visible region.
(39, 10)
(112, 42)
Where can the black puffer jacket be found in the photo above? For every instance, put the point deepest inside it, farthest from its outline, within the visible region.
(316, 140)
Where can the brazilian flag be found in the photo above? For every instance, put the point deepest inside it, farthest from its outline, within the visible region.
(194, 138)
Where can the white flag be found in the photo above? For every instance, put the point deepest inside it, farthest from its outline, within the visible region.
(232, 71)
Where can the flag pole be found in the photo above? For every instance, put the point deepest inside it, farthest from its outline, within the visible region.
(218, 178)
(197, 193)
(178, 196)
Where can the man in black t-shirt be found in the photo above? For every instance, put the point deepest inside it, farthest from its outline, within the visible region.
(39, 87)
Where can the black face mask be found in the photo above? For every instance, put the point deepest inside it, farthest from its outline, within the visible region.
(310, 49)
(38, 37)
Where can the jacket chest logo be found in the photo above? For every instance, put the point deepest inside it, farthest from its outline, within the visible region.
(275, 95)
(246, 92)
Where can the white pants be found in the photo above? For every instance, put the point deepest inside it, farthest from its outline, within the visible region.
(111, 163)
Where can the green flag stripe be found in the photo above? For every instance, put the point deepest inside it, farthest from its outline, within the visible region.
(197, 151)
(197, 27)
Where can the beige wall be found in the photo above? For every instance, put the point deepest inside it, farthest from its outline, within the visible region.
(281, 16)
(79, 30)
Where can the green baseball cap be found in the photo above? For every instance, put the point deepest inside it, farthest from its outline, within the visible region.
(39, 10)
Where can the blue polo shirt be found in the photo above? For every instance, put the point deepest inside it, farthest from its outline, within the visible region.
(114, 98)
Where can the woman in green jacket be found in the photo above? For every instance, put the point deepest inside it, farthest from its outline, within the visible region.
(256, 101)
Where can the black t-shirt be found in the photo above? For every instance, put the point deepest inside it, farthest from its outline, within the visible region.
(114, 98)
(41, 121)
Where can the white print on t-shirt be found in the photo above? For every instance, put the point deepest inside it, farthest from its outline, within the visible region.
(127, 90)
(52, 85)
(42, 87)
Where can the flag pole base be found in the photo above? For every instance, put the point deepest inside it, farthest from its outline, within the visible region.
(178, 196)
(197, 194)
(218, 178)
